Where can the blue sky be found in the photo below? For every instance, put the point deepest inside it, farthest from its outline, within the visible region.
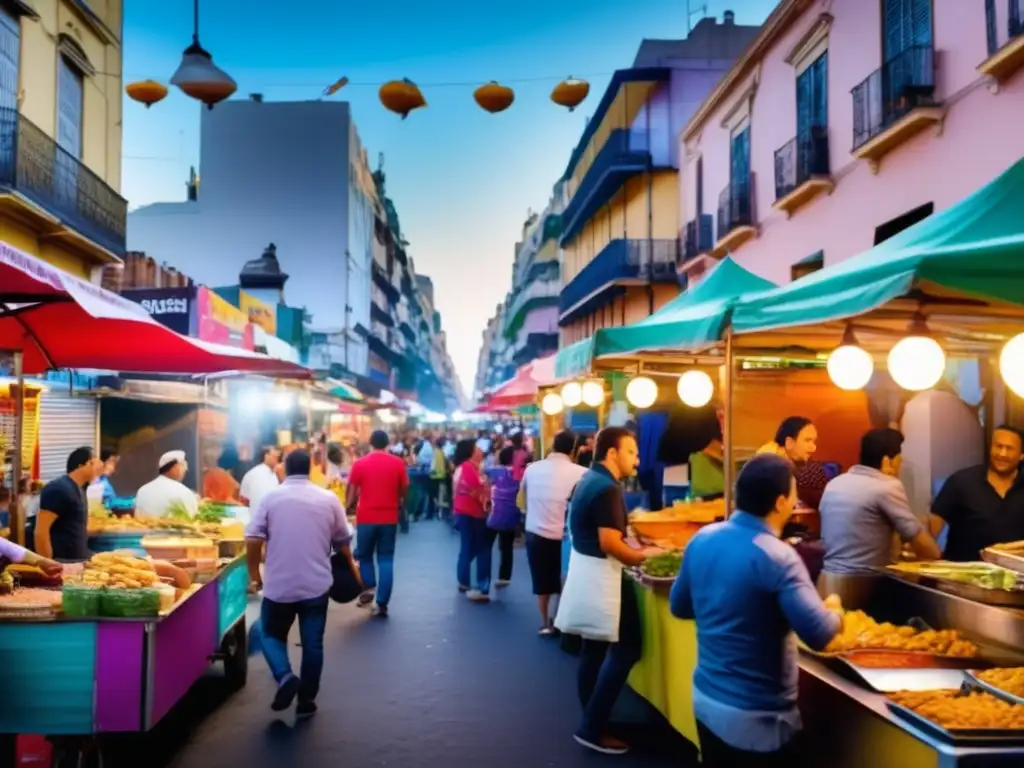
(462, 179)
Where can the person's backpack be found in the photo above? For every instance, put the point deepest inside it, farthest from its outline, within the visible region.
(346, 586)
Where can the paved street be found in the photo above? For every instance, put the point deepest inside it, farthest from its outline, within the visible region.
(441, 682)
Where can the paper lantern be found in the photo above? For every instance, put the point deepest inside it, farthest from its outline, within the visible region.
(695, 388)
(401, 97)
(552, 404)
(572, 394)
(1011, 365)
(850, 367)
(917, 363)
(147, 92)
(570, 93)
(494, 97)
(641, 392)
(197, 76)
(593, 393)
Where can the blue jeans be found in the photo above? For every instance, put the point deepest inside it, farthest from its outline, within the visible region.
(475, 545)
(276, 621)
(379, 540)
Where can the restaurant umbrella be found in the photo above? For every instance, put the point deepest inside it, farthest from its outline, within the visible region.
(51, 319)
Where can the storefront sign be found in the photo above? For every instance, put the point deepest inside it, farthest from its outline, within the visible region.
(220, 322)
(171, 307)
(259, 313)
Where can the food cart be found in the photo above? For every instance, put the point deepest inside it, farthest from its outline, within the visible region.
(84, 677)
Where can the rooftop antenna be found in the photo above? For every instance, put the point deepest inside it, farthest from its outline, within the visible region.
(701, 9)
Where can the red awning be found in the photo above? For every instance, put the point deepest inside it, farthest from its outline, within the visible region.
(522, 389)
(60, 321)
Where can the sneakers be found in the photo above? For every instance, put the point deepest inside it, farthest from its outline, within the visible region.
(502, 583)
(286, 693)
(305, 709)
(366, 598)
(477, 596)
(463, 588)
(606, 745)
(381, 611)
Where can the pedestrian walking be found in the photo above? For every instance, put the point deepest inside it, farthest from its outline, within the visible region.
(598, 601)
(505, 517)
(298, 523)
(377, 486)
(544, 494)
(471, 498)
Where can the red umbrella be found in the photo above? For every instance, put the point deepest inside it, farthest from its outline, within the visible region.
(522, 389)
(57, 320)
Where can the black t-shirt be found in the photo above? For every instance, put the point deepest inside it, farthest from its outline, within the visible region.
(66, 500)
(977, 516)
(597, 502)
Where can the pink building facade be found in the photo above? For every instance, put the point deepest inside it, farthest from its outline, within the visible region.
(847, 121)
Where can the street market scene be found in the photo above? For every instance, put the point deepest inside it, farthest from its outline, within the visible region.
(723, 469)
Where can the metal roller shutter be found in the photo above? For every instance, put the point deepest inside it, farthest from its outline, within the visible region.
(65, 423)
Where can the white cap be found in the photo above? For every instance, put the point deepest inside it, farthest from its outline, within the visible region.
(170, 458)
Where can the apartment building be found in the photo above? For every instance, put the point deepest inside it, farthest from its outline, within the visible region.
(846, 122)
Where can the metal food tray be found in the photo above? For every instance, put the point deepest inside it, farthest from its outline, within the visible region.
(975, 737)
(1006, 560)
(999, 693)
(1002, 598)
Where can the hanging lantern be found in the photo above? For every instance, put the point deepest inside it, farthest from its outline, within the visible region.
(695, 388)
(917, 362)
(401, 97)
(849, 366)
(552, 404)
(147, 92)
(593, 393)
(572, 394)
(570, 93)
(1011, 365)
(641, 392)
(200, 78)
(494, 97)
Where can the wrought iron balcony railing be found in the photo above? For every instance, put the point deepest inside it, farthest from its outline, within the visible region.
(901, 85)
(33, 165)
(800, 159)
(699, 237)
(645, 260)
(734, 209)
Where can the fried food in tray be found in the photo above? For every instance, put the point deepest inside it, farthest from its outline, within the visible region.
(1008, 679)
(109, 569)
(861, 632)
(962, 711)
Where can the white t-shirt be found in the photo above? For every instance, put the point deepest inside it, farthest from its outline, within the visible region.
(256, 483)
(549, 484)
(156, 498)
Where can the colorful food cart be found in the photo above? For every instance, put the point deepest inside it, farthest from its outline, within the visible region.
(85, 677)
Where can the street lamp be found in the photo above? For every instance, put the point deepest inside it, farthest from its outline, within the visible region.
(197, 76)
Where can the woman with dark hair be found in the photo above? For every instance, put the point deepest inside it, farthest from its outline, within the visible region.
(469, 505)
(505, 516)
(797, 440)
(520, 456)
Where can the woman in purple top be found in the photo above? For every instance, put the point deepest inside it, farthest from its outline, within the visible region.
(505, 517)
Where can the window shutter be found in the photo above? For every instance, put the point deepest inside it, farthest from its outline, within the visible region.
(892, 36)
(920, 22)
(10, 46)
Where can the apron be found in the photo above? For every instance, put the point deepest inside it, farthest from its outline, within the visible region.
(591, 601)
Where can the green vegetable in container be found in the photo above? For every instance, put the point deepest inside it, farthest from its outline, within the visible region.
(663, 566)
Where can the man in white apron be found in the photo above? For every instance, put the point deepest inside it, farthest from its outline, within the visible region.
(598, 603)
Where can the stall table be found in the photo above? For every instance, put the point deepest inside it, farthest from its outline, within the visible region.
(84, 677)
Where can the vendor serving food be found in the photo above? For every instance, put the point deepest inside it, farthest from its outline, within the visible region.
(797, 440)
(166, 494)
(13, 553)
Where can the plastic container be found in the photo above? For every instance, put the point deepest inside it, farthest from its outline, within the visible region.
(129, 603)
(79, 601)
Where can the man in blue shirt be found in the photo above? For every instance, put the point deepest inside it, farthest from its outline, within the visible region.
(748, 592)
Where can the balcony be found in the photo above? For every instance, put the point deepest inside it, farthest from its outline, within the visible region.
(382, 281)
(1005, 56)
(625, 154)
(620, 263)
(51, 185)
(894, 104)
(699, 237)
(534, 296)
(802, 170)
(735, 217)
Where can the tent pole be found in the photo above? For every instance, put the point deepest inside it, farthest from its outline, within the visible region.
(727, 407)
(18, 522)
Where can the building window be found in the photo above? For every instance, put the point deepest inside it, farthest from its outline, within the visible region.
(906, 24)
(893, 227)
(10, 51)
(69, 108)
(812, 99)
(808, 265)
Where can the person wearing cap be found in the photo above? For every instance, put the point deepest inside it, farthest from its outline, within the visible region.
(166, 495)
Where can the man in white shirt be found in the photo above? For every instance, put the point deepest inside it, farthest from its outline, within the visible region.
(261, 479)
(167, 496)
(544, 496)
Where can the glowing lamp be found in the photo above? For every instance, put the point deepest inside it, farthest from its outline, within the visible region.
(695, 388)
(1011, 365)
(917, 363)
(641, 392)
(572, 394)
(552, 404)
(593, 393)
(849, 366)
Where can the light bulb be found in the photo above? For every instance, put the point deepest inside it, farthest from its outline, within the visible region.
(917, 363)
(850, 367)
(641, 392)
(593, 393)
(1011, 365)
(695, 388)
(552, 404)
(572, 394)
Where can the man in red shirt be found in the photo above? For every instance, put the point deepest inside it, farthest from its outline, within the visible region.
(377, 486)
